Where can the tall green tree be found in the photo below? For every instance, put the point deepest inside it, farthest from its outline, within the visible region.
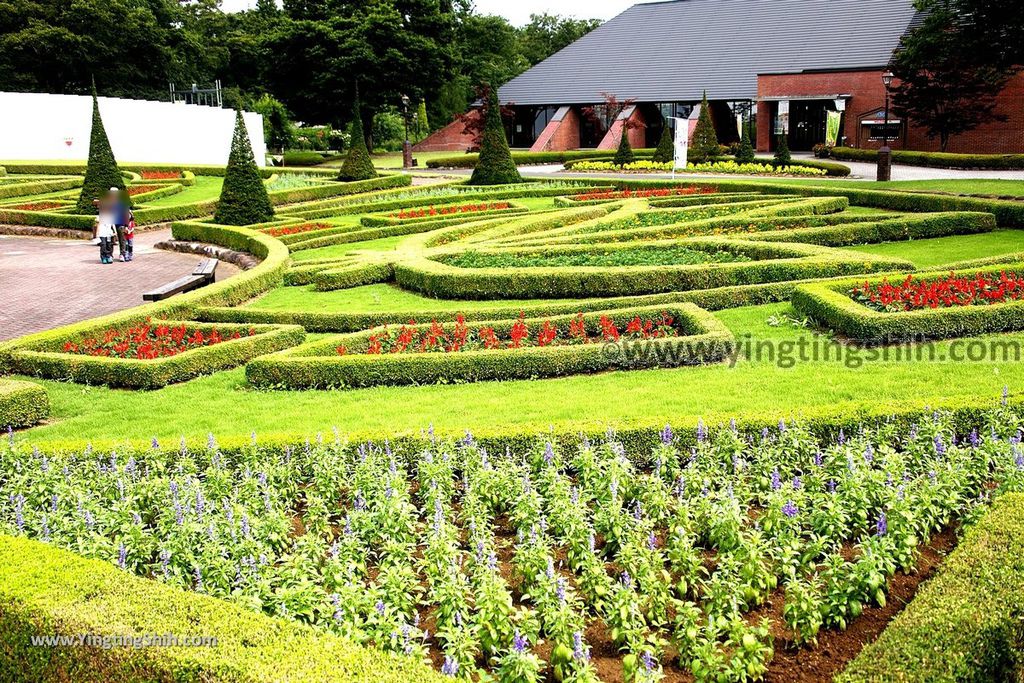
(624, 153)
(546, 34)
(705, 140)
(101, 172)
(358, 165)
(666, 150)
(950, 69)
(745, 154)
(495, 165)
(243, 197)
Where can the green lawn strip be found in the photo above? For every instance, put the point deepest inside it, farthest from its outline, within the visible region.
(335, 250)
(935, 252)
(671, 255)
(205, 188)
(679, 396)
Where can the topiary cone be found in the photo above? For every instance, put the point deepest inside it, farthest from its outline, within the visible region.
(243, 198)
(358, 165)
(624, 154)
(495, 165)
(101, 172)
(666, 150)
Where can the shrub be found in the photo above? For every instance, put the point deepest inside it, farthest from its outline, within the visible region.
(832, 305)
(495, 165)
(704, 339)
(101, 172)
(527, 158)
(965, 624)
(243, 198)
(624, 154)
(666, 150)
(358, 165)
(301, 158)
(22, 404)
(705, 141)
(745, 152)
(53, 592)
(782, 155)
(934, 159)
(47, 359)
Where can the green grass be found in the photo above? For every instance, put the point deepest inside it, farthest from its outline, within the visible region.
(678, 396)
(935, 252)
(382, 244)
(205, 188)
(394, 159)
(370, 298)
(669, 256)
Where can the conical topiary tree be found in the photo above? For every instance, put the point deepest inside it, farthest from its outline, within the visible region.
(782, 155)
(495, 165)
(745, 154)
(358, 165)
(243, 199)
(705, 141)
(422, 123)
(101, 173)
(624, 154)
(666, 150)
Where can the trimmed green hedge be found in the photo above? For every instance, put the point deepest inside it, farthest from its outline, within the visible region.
(22, 404)
(78, 168)
(831, 305)
(25, 189)
(46, 359)
(46, 591)
(778, 262)
(965, 625)
(706, 340)
(831, 168)
(526, 158)
(373, 221)
(911, 227)
(933, 159)
(47, 219)
(302, 158)
(352, 276)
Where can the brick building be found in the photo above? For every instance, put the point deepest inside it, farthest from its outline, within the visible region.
(777, 65)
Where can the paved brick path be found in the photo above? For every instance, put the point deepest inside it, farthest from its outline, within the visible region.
(45, 283)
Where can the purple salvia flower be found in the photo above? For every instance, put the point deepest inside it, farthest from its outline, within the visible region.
(1006, 394)
(869, 454)
(560, 589)
(211, 443)
(776, 480)
(797, 483)
(702, 431)
(764, 434)
(975, 441)
(790, 509)
(652, 541)
(940, 448)
(782, 426)
(379, 607)
(165, 561)
(550, 571)
(122, 556)
(842, 437)
(648, 661)
(90, 521)
(46, 528)
(450, 667)
(831, 485)
(519, 643)
(580, 651)
(626, 580)
(882, 525)
(667, 436)
(155, 444)
(549, 453)
(19, 512)
(818, 459)
(732, 425)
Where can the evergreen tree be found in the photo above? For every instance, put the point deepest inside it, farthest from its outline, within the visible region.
(666, 150)
(705, 141)
(422, 124)
(624, 154)
(745, 154)
(101, 173)
(243, 198)
(358, 165)
(495, 165)
(782, 155)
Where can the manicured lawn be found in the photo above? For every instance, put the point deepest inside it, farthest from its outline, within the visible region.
(935, 252)
(678, 396)
(392, 160)
(382, 244)
(205, 189)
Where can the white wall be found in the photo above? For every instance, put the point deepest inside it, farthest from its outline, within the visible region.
(45, 127)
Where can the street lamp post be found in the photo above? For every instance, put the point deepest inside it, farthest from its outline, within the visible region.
(885, 153)
(406, 146)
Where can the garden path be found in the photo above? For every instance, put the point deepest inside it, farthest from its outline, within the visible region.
(46, 282)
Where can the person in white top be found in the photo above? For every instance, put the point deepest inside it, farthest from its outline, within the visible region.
(105, 231)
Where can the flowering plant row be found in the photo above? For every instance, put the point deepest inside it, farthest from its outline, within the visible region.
(642, 194)
(435, 339)
(38, 206)
(450, 210)
(141, 189)
(148, 174)
(948, 292)
(148, 341)
(296, 229)
(544, 564)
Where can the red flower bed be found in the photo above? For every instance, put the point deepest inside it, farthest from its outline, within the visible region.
(450, 210)
(140, 189)
(37, 206)
(642, 194)
(949, 292)
(409, 339)
(296, 229)
(148, 341)
(160, 175)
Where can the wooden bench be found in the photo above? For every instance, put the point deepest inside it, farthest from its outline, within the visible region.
(204, 274)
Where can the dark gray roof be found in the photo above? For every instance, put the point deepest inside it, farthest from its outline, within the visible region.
(673, 51)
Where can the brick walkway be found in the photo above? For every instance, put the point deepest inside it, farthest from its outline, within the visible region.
(46, 283)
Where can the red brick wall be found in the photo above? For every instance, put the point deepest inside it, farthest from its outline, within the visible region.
(559, 136)
(868, 93)
(451, 138)
(637, 135)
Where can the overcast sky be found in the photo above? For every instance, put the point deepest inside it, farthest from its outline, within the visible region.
(518, 11)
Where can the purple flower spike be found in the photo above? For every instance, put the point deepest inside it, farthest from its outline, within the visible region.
(776, 480)
(519, 643)
(882, 525)
(155, 444)
(122, 556)
(790, 509)
(702, 431)
(580, 652)
(549, 453)
(648, 661)
(1006, 394)
(450, 667)
(667, 436)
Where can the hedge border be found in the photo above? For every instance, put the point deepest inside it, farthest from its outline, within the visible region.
(48, 591)
(22, 404)
(707, 341)
(42, 360)
(966, 623)
(933, 159)
(526, 158)
(829, 304)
